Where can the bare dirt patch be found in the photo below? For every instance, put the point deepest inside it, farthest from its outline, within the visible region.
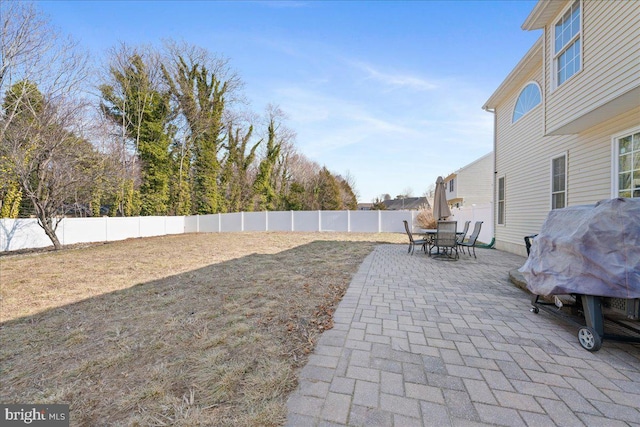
(200, 329)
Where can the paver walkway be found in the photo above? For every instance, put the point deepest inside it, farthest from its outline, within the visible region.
(426, 342)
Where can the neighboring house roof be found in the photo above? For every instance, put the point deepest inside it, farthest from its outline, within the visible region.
(409, 203)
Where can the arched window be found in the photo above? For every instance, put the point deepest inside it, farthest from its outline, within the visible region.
(529, 98)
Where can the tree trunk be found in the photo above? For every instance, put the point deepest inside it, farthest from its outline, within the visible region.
(50, 231)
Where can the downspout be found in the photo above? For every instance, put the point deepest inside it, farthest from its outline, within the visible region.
(495, 172)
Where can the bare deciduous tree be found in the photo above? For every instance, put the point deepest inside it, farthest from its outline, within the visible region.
(40, 77)
(51, 162)
(32, 51)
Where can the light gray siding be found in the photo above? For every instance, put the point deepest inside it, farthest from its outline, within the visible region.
(520, 159)
(610, 61)
(523, 157)
(475, 181)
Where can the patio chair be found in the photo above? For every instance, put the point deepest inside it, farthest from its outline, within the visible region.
(473, 238)
(413, 242)
(463, 233)
(446, 238)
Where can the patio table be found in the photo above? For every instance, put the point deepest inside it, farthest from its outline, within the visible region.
(430, 235)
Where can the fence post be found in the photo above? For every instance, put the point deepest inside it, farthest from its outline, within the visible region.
(319, 220)
(242, 221)
(293, 225)
(266, 220)
(348, 221)
(219, 223)
(379, 221)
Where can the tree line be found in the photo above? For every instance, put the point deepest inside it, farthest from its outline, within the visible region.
(166, 131)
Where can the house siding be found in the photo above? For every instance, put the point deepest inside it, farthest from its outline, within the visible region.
(475, 181)
(610, 61)
(518, 154)
(523, 157)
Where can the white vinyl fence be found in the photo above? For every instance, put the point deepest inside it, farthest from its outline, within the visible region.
(481, 212)
(18, 234)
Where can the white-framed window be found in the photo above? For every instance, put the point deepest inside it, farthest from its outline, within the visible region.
(451, 185)
(626, 150)
(567, 49)
(530, 96)
(559, 182)
(501, 200)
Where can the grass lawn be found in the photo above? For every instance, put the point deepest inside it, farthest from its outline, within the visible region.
(196, 329)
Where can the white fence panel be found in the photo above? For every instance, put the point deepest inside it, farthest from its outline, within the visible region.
(255, 221)
(152, 226)
(208, 223)
(364, 221)
(280, 221)
(391, 221)
(231, 222)
(18, 234)
(82, 230)
(306, 221)
(191, 224)
(334, 221)
(482, 212)
(175, 224)
(120, 228)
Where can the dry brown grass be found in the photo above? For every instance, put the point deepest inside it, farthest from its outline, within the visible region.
(200, 329)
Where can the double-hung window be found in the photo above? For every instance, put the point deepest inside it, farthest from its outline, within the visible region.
(559, 182)
(628, 159)
(567, 49)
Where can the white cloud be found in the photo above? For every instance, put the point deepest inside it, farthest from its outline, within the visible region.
(395, 79)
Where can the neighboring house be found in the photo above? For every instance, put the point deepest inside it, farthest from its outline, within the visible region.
(567, 118)
(471, 184)
(364, 206)
(407, 203)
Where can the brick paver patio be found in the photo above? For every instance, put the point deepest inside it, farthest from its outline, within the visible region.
(426, 342)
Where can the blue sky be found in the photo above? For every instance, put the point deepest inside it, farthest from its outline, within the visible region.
(390, 92)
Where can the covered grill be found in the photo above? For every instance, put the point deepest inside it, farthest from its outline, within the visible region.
(591, 253)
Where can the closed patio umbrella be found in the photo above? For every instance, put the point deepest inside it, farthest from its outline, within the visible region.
(440, 206)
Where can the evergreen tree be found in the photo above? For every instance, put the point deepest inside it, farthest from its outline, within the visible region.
(265, 194)
(235, 174)
(294, 200)
(347, 196)
(200, 95)
(328, 191)
(180, 187)
(144, 114)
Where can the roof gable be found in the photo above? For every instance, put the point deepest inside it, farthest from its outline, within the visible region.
(543, 13)
(530, 62)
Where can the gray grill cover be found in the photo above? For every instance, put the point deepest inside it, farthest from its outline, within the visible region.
(589, 250)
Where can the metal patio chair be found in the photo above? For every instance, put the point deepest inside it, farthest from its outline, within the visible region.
(446, 238)
(463, 233)
(473, 238)
(413, 242)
